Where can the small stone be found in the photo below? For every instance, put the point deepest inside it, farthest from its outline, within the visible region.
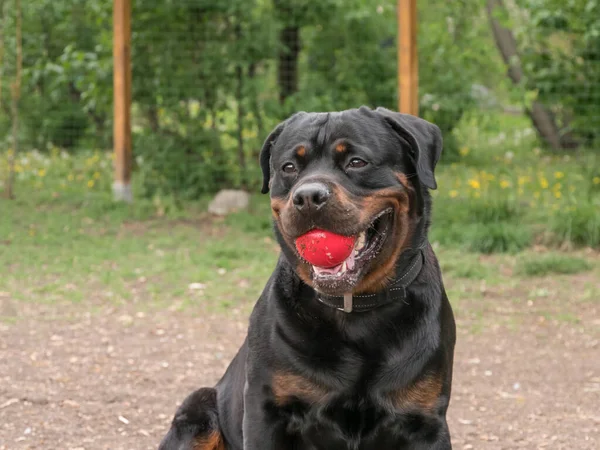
(228, 201)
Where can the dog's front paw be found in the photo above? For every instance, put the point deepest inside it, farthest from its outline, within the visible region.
(196, 424)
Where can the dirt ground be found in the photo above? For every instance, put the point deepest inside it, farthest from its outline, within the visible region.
(111, 379)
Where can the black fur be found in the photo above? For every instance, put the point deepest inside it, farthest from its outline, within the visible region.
(355, 362)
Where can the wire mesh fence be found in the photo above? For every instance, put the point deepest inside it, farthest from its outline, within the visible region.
(211, 78)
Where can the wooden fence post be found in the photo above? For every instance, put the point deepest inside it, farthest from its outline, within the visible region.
(122, 99)
(408, 62)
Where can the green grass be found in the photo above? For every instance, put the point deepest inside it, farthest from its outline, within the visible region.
(74, 249)
(553, 263)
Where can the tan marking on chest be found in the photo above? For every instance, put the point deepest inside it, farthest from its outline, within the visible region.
(287, 387)
(213, 441)
(423, 394)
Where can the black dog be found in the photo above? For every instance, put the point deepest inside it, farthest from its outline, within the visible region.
(358, 357)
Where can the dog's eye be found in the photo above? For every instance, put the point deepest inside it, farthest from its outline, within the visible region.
(289, 168)
(357, 163)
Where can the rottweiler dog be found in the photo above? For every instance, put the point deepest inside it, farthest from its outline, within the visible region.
(354, 357)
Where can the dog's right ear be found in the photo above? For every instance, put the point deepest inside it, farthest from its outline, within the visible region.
(265, 153)
(265, 156)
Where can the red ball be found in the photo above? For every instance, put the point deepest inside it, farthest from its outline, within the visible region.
(325, 249)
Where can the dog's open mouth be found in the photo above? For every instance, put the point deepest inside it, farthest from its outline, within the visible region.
(368, 244)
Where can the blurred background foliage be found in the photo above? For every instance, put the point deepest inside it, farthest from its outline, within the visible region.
(513, 84)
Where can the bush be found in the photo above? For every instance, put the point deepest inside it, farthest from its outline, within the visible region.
(540, 265)
(578, 224)
(500, 237)
(187, 167)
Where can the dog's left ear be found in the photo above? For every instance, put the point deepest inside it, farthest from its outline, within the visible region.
(425, 139)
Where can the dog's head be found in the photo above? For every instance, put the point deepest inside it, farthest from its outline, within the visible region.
(361, 172)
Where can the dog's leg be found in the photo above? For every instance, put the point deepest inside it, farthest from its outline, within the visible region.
(196, 424)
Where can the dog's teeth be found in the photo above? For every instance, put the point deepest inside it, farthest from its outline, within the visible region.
(360, 242)
(344, 267)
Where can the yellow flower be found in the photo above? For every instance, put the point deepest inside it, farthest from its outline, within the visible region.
(544, 183)
(557, 187)
(536, 195)
(18, 168)
(90, 184)
(464, 151)
(70, 177)
(96, 175)
(557, 194)
(504, 184)
(42, 172)
(559, 175)
(453, 193)
(596, 180)
(475, 184)
(523, 180)
(521, 191)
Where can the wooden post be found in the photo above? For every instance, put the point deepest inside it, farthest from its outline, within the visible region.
(122, 99)
(408, 62)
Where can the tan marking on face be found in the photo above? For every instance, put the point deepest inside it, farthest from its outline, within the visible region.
(303, 271)
(341, 147)
(400, 200)
(287, 386)
(277, 205)
(301, 151)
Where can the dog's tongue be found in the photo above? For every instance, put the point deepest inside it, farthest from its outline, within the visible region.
(349, 261)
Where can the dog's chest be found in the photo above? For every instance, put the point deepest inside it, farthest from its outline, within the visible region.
(342, 423)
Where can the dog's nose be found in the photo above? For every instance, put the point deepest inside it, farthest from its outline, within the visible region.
(311, 195)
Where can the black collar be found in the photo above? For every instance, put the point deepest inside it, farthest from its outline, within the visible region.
(408, 269)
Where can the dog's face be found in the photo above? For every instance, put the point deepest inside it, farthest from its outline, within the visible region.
(361, 173)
